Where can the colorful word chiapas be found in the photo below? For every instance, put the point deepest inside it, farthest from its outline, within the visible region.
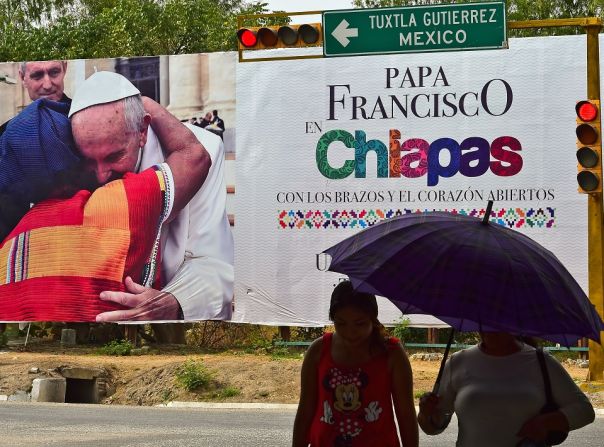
(416, 157)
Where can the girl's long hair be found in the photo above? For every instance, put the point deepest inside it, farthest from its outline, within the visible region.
(344, 295)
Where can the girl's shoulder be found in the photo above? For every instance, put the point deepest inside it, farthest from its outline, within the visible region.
(392, 342)
(394, 348)
(398, 360)
(315, 350)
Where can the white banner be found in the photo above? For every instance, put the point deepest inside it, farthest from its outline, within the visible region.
(326, 147)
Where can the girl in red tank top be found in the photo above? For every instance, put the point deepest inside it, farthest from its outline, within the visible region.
(351, 380)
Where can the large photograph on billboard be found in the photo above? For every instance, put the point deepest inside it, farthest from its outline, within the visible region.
(113, 189)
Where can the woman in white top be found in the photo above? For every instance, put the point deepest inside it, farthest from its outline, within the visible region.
(497, 390)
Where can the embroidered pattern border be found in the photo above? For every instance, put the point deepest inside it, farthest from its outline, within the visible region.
(539, 217)
(17, 259)
(151, 265)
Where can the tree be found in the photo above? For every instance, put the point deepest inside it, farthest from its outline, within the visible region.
(72, 29)
(517, 10)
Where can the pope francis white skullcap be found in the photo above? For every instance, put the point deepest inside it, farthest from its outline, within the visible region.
(100, 88)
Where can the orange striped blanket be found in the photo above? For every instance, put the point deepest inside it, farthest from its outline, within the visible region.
(64, 252)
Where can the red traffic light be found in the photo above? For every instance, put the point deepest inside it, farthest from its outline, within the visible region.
(247, 37)
(586, 111)
(589, 146)
(285, 36)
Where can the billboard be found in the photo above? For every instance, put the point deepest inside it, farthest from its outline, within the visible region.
(331, 146)
(149, 238)
(324, 148)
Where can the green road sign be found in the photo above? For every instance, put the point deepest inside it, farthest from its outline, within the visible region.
(452, 27)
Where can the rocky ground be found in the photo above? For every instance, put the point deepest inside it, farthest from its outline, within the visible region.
(150, 378)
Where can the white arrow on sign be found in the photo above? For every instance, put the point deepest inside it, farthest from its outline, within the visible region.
(342, 33)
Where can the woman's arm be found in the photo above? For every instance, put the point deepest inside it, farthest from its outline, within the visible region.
(401, 378)
(186, 156)
(435, 410)
(430, 419)
(573, 403)
(575, 410)
(309, 389)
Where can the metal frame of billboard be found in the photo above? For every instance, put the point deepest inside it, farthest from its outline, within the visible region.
(595, 208)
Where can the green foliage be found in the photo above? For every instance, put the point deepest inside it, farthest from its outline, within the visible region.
(72, 29)
(224, 335)
(463, 338)
(517, 10)
(419, 393)
(306, 333)
(284, 352)
(259, 345)
(228, 391)
(192, 375)
(3, 339)
(166, 395)
(565, 355)
(40, 330)
(116, 347)
(401, 329)
(406, 334)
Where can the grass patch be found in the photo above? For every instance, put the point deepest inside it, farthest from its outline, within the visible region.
(282, 352)
(116, 347)
(166, 395)
(193, 375)
(228, 391)
(564, 355)
(418, 394)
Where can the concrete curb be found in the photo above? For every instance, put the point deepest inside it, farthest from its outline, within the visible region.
(229, 405)
(247, 406)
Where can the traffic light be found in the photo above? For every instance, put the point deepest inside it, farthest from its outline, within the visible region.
(286, 36)
(589, 146)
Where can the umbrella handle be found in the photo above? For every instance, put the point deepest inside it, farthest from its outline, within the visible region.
(442, 363)
(487, 213)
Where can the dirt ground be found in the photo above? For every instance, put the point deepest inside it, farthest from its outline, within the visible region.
(149, 379)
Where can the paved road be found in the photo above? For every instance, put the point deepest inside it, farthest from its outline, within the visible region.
(70, 425)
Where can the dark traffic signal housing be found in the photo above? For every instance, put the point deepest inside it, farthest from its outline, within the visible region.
(285, 36)
(589, 146)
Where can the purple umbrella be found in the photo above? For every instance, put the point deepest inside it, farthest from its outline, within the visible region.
(473, 275)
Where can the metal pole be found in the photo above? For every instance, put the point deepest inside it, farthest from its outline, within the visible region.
(594, 216)
(27, 335)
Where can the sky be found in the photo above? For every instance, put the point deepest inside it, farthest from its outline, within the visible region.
(307, 5)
